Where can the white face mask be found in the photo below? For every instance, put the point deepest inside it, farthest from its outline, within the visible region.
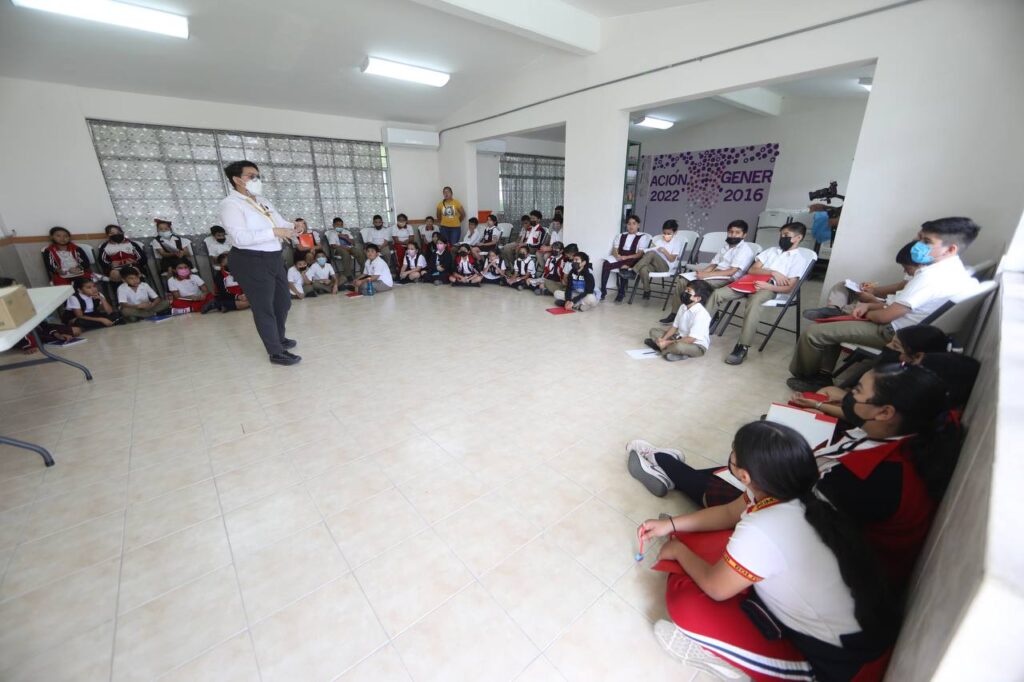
(165, 234)
(254, 186)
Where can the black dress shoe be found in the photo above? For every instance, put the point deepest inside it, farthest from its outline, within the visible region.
(285, 358)
(289, 343)
(647, 296)
(668, 320)
(289, 354)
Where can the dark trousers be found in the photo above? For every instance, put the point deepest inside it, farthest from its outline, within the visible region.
(262, 276)
(452, 234)
(700, 485)
(606, 272)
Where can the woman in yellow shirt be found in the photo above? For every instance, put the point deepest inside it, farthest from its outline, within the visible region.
(450, 214)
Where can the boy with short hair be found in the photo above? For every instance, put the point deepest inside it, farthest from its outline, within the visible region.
(321, 274)
(661, 256)
(343, 247)
(137, 299)
(554, 236)
(690, 333)
(376, 271)
(785, 264)
(379, 236)
(427, 231)
(627, 248)
(402, 234)
(216, 244)
(512, 248)
(842, 300)
(298, 282)
(941, 277)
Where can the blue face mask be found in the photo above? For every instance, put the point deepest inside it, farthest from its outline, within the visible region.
(921, 253)
(321, 260)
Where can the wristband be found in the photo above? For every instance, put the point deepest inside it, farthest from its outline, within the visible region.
(673, 522)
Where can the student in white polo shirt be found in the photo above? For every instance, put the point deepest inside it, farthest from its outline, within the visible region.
(690, 335)
(298, 283)
(402, 235)
(380, 236)
(376, 270)
(321, 274)
(728, 265)
(785, 264)
(660, 256)
(137, 299)
(344, 248)
(943, 276)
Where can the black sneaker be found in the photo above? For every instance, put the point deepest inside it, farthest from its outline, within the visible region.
(647, 296)
(737, 356)
(668, 320)
(285, 358)
(809, 385)
(819, 313)
(650, 343)
(289, 343)
(620, 297)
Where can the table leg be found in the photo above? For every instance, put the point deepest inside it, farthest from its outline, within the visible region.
(57, 358)
(42, 452)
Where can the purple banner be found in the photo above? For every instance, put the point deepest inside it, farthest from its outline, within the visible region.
(704, 190)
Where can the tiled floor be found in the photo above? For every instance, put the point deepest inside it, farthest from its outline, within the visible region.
(438, 492)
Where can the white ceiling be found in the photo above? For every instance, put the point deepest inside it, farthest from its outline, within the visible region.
(302, 54)
(617, 8)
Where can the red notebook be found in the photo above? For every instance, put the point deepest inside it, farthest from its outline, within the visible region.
(560, 311)
(808, 395)
(353, 294)
(745, 284)
(839, 318)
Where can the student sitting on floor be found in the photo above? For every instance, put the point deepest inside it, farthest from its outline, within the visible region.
(321, 274)
(508, 253)
(943, 276)
(552, 278)
(171, 249)
(627, 249)
(343, 247)
(231, 297)
(660, 256)
(402, 235)
(472, 237)
(137, 299)
(522, 271)
(65, 260)
(578, 292)
(119, 252)
(217, 243)
(554, 236)
(189, 292)
(490, 238)
(298, 281)
(377, 271)
(465, 272)
(728, 265)
(48, 333)
(88, 308)
(785, 264)
(842, 300)
(776, 583)
(440, 263)
(427, 232)
(305, 241)
(414, 266)
(690, 335)
(494, 269)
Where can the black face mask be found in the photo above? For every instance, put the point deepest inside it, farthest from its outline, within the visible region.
(221, 240)
(785, 243)
(849, 415)
(117, 238)
(733, 241)
(686, 298)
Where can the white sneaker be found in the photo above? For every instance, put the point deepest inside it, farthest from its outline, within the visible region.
(647, 450)
(680, 645)
(641, 465)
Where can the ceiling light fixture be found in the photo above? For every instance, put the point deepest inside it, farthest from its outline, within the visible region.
(404, 72)
(659, 123)
(116, 13)
(865, 83)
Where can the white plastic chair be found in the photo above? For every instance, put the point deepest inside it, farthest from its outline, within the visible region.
(506, 231)
(692, 240)
(712, 242)
(671, 275)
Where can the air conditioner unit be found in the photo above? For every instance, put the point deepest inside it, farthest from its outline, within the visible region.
(492, 147)
(401, 137)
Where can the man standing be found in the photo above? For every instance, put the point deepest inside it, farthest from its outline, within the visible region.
(256, 228)
(450, 214)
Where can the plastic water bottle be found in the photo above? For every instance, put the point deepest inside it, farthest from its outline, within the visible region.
(369, 288)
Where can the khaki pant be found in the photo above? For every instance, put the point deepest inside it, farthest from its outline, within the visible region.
(751, 315)
(841, 297)
(650, 262)
(554, 287)
(508, 252)
(378, 287)
(691, 350)
(347, 259)
(588, 302)
(819, 345)
(682, 283)
(159, 308)
(322, 286)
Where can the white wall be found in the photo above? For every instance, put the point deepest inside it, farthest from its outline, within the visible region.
(817, 139)
(415, 181)
(487, 166)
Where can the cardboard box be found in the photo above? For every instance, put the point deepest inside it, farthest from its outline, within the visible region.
(15, 307)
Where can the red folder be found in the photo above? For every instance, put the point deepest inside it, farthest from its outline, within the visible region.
(560, 311)
(839, 318)
(745, 284)
(353, 294)
(808, 395)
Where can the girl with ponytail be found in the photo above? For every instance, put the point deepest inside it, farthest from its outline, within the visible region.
(776, 583)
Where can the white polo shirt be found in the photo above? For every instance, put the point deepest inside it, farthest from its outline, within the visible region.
(334, 237)
(493, 270)
(402, 234)
(427, 234)
(90, 304)
(412, 263)
(378, 267)
(675, 247)
(250, 223)
(215, 248)
(792, 263)
(932, 286)
(295, 277)
(696, 322)
(186, 287)
(372, 235)
(317, 272)
(472, 238)
(554, 236)
(143, 294)
(625, 241)
(740, 256)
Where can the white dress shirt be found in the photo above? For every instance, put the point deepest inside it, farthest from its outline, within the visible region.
(215, 248)
(138, 296)
(186, 287)
(250, 223)
(675, 247)
(740, 256)
(320, 273)
(932, 286)
(371, 235)
(378, 267)
(694, 321)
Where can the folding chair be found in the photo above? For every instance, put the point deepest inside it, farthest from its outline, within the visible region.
(690, 239)
(672, 274)
(506, 233)
(712, 243)
(984, 270)
(791, 301)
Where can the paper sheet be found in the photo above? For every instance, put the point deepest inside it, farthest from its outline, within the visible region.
(642, 354)
(818, 429)
(691, 276)
(852, 286)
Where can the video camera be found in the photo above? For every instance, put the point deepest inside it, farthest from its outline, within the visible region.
(826, 193)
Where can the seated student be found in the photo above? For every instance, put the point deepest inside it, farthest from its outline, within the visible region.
(489, 239)
(509, 251)
(189, 292)
(343, 247)
(627, 248)
(380, 236)
(786, 264)
(522, 271)
(940, 243)
(171, 249)
(119, 252)
(216, 244)
(377, 271)
(494, 269)
(552, 278)
(88, 308)
(728, 265)
(231, 297)
(842, 300)
(402, 235)
(578, 292)
(660, 256)
(776, 560)
(298, 282)
(473, 236)
(440, 263)
(414, 266)
(427, 231)
(304, 241)
(321, 274)
(47, 332)
(690, 335)
(464, 270)
(554, 236)
(137, 299)
(65, 261)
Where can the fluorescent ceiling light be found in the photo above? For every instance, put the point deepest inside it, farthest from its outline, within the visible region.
(865, 83)
(659, 123)
(404, 72)
(116, 13)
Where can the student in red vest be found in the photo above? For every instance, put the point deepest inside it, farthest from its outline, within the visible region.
(189, 291)
(777, 583)
(627, 248)
(65, 261)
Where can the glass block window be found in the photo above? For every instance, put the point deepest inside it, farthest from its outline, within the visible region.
(528, 182)
(177, 174)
